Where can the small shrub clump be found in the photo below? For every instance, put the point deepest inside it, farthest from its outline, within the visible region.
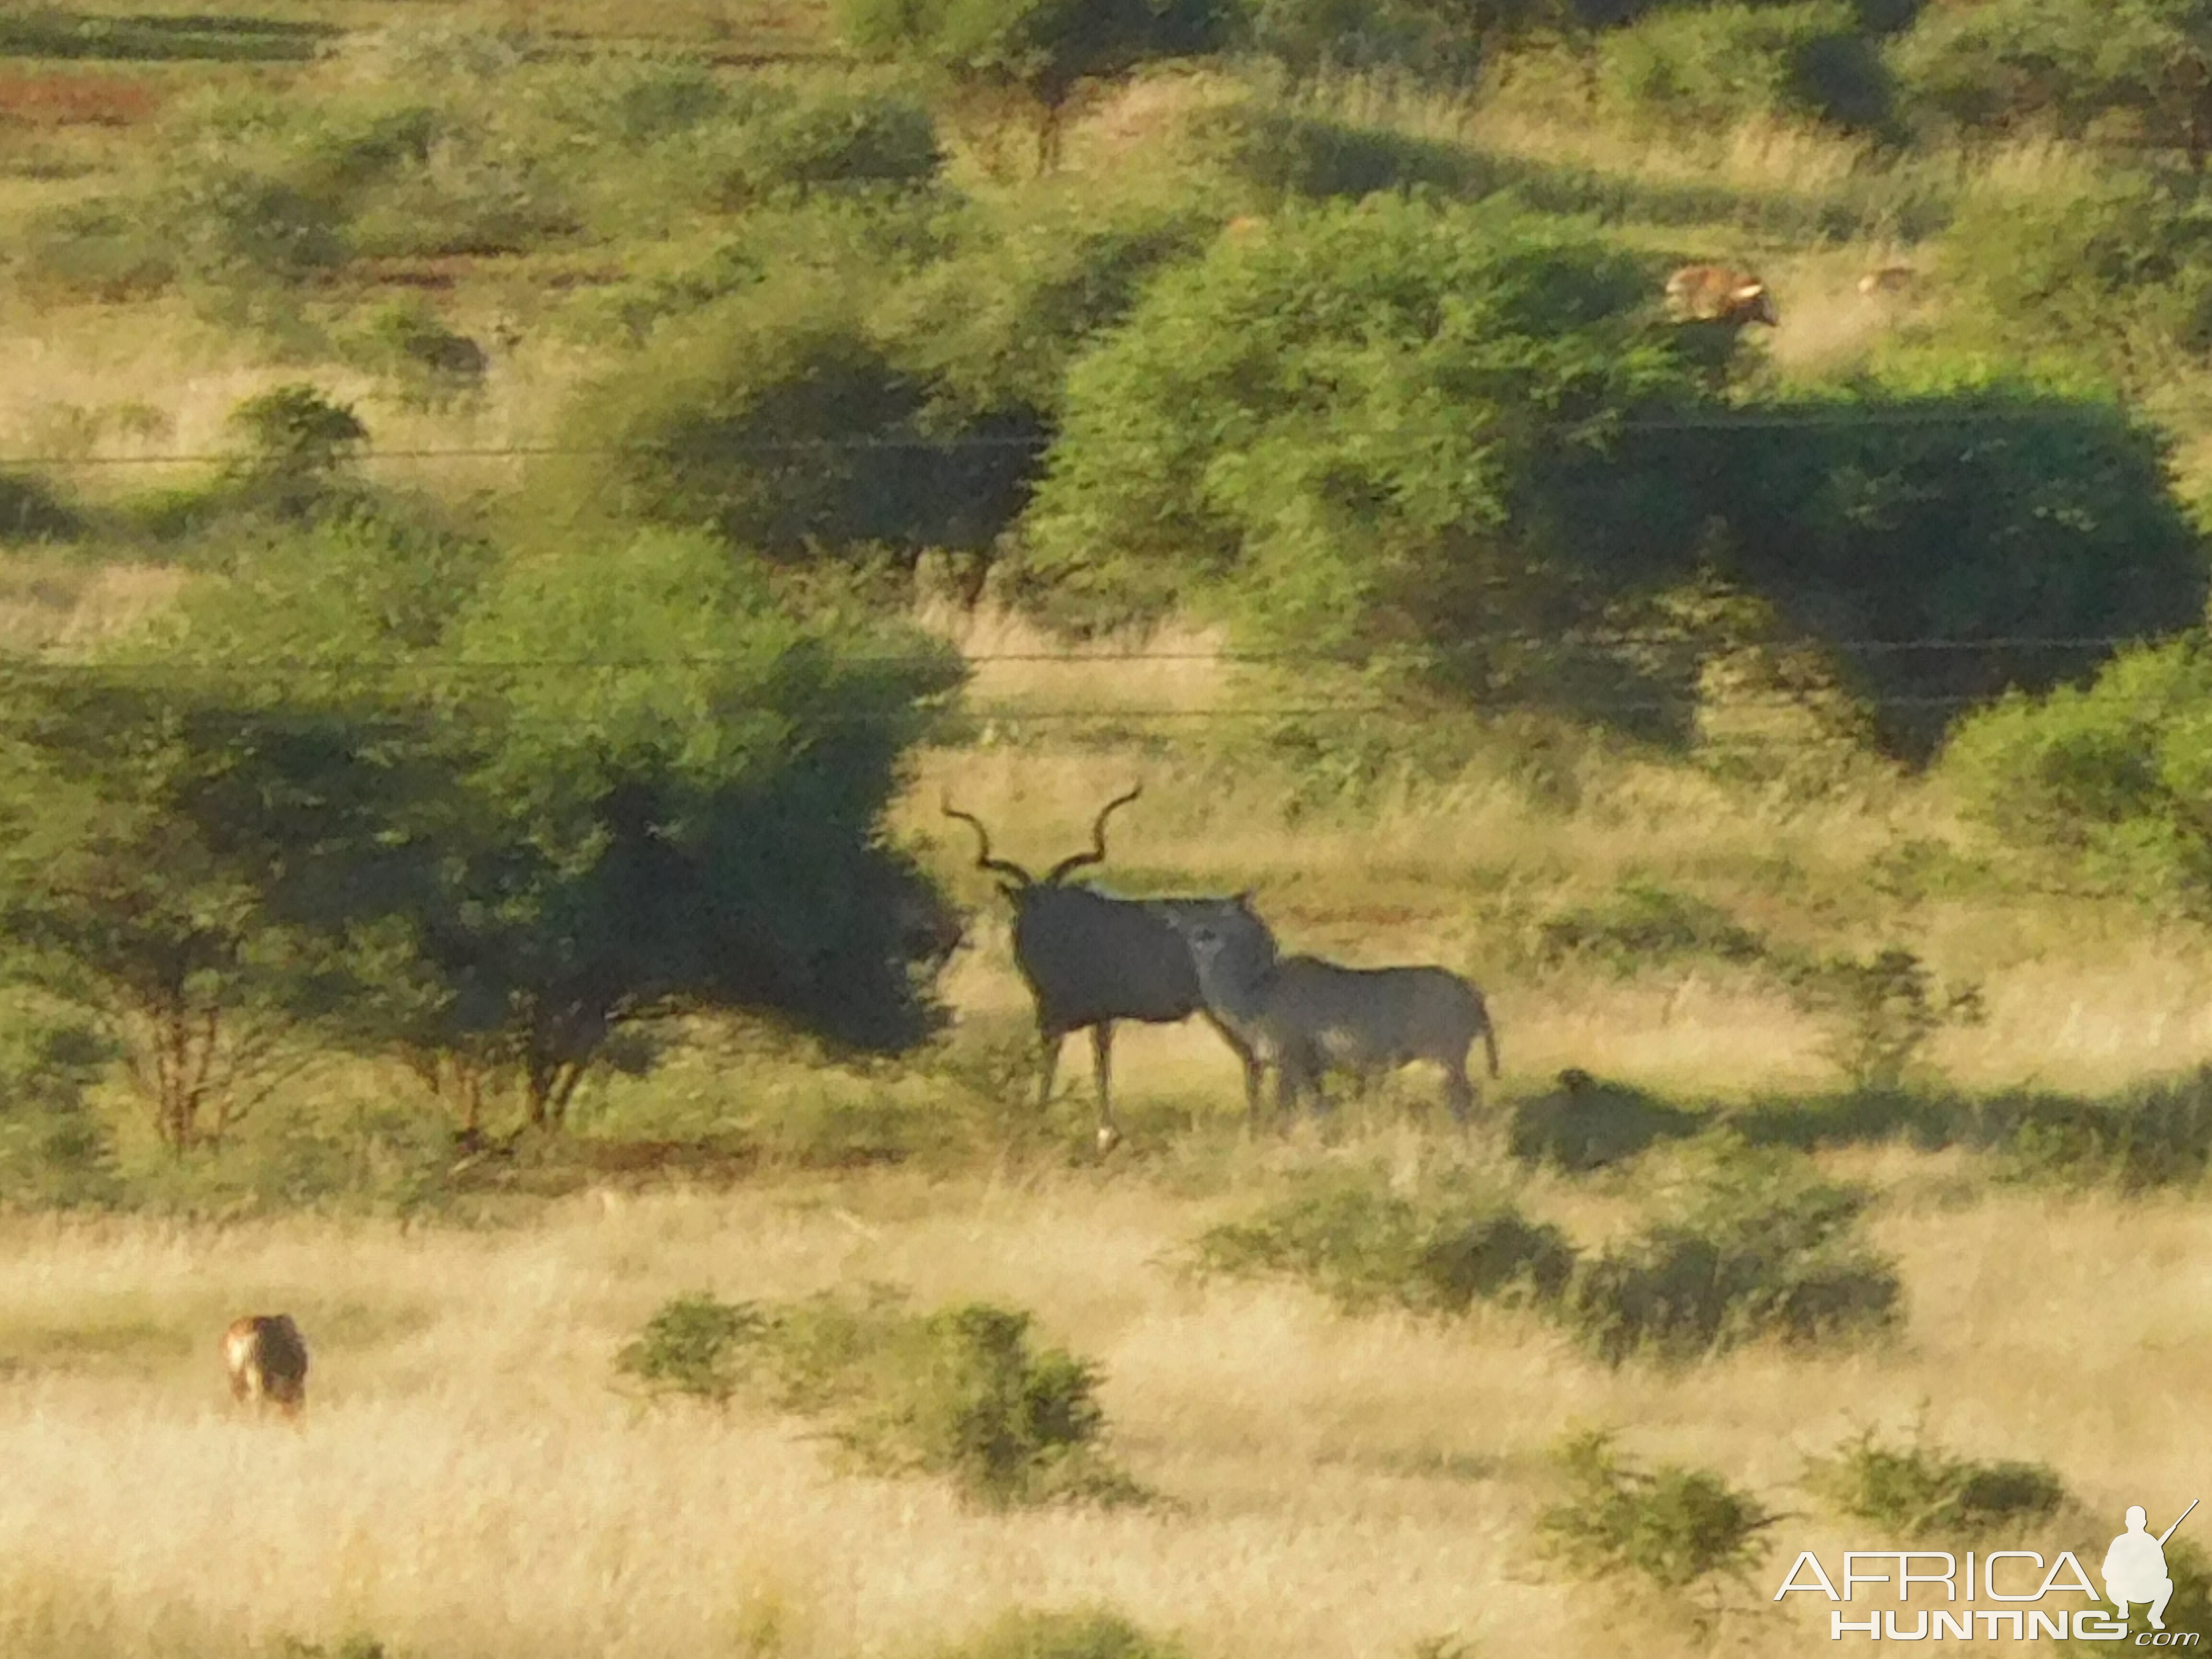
(961, 1392)
(1079, 1633)
(1362, 1244)
(1756, 1246)
(1640, 926)
(1672, 1526)
(1882, 1012)
(1924, 1492)
(2159, 1134)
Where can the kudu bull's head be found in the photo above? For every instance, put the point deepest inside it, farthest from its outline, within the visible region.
(1013, 880)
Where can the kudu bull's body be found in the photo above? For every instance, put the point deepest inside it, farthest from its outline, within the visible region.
(1089, 960)
(1716, 294)
(1302, 1015)
(267, 1359)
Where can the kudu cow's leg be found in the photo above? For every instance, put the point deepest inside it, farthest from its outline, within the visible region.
(1459, 1093)
(1102, 1055)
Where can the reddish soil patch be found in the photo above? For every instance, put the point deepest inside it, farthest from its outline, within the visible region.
(63, 100)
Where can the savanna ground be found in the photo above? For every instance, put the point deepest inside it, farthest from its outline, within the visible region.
(473, 1480)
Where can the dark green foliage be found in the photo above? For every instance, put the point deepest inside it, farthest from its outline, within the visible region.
(1641, 926)
(1290, 153)
(2113, 273)
(53, 32)
(1672, 1526)
(692, 1345)
(1360, 1243)
(1717, 65)
(1435, 39)
(785, 425)
(2137, 70)
(2113, 778)
(296, 441)
(31, 511)
(1086, 1633)
(233, 223)
(1923, 1491)
(55, 1151)
(961, 1392)
(1884, 1010)
(776, 139)
(1039, 48)
(1585, 1124)
(1992, 513)
(1386, 431)
(1753, 1245)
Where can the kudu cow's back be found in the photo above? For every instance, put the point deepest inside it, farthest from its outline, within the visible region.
(1718, 293)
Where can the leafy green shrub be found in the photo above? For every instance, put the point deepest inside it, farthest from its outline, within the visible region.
(777, 139)
(1640, 926)
(959, 1392)
(1755, 1245)
(296, 441)
(1673, 1525)
(1923, 1491)
(1584, 1124)
(1716, 65)
(1288, 153)
(2117, 273)
(234, 223)
(1089, 1633)
(1884, 1010)
(56, 1151)
(693, 1345)
(103, 249)
(1311, 37)
(1415, 515)
(1360, 1243)
(31, 511)
(779, 421)
(2131, 70)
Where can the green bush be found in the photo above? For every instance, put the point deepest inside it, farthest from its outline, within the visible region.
(1639, 926)
(1753, 1245)
(2117, 274)
(776, 139)
(1883, 1011)
(1923, 1491)
(55, 1150)
(1672, 1526)
(31, 511)
(961, 1392)
(1716, 65)
(1385, 432)
(1361, 1244)
(1089, 1633)
(407, 341)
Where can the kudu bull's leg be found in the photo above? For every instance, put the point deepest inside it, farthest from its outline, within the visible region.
(1102, 1055)
(1048, 1044)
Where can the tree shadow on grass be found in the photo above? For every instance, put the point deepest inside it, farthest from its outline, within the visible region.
(2155, 1134)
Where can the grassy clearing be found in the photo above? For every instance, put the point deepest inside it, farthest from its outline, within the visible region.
(1347, 1485)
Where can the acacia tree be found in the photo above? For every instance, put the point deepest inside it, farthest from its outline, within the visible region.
(1039, 49)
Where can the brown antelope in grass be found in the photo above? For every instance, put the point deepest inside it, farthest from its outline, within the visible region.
(1716, 294)
(267, 1359)
(1889, 279)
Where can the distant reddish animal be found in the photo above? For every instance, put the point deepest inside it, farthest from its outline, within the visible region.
(267, 1359)
(1717, 294)
(1889, 279)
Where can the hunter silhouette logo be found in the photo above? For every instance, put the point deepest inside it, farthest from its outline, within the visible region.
(2018, 1581)
(2135, 1566)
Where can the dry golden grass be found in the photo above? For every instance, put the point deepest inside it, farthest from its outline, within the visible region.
(469, 1484)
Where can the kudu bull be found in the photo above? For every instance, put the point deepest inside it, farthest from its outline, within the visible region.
(267, 1359)
(1089, 960)
(1302, 1015)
